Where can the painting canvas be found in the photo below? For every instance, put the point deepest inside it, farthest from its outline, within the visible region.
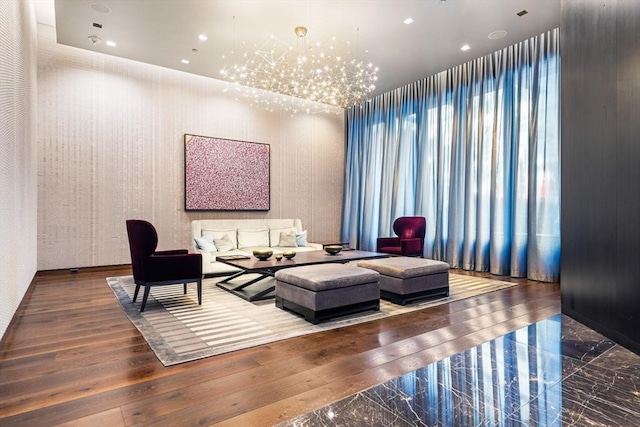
(223, 174)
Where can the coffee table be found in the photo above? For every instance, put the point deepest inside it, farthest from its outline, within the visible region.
(263, 286)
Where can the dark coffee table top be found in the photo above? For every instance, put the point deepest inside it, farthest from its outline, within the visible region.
(301, 258)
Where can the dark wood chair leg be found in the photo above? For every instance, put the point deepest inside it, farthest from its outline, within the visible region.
(185, 288)
(144, 297)
(135, 294)
(199, 292)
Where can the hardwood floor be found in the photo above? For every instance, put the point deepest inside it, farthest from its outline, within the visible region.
(71, 357)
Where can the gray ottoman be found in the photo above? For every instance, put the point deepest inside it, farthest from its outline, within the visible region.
(320, 292)
(404, 279)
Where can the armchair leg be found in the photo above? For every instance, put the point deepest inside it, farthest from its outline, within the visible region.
(147, 289)
(135, 294)
(144, 297)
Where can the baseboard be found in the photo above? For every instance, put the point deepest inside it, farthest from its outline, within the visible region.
(75, 270)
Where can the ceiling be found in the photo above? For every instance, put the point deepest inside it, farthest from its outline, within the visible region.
(164, 32)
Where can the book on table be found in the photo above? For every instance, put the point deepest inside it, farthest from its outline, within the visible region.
(231, 257)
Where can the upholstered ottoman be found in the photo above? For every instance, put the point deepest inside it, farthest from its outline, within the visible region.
(404, 279)
(320, 292)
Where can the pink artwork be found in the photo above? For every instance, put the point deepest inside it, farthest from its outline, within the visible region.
(223, 174)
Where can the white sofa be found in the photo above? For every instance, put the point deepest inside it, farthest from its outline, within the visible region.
(245, 235)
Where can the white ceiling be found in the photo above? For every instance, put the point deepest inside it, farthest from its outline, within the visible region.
(163, 32)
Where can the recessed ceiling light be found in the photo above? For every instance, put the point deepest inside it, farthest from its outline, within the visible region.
(408, 21)
(465, 47)
(203, 37)
(100, 8)
(110, 43)
(498, 34)
(185, 61)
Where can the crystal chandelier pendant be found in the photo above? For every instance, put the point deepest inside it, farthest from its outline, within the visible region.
(319, 74)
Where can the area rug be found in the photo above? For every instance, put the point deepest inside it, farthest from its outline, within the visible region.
(179, 330)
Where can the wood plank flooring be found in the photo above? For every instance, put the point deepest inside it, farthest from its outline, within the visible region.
(71, 357)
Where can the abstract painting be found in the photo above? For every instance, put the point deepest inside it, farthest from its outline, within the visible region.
(226, 175)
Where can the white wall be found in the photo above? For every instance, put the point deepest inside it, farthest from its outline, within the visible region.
(110, 140)
(18, 158)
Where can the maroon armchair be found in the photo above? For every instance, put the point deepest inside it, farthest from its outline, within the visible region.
(410, 240)
(151, 268)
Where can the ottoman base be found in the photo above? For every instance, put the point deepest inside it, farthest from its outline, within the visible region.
(316, 317)
(404, 291)
(405, 299)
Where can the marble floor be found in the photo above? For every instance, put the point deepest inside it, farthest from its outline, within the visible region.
(552, 373)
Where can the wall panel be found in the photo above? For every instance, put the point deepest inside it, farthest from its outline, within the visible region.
(628, 168)
(18, 156)
(111, 139)
(600, 284)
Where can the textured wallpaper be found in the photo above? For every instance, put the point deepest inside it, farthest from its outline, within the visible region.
(18, 156)
(110, 147)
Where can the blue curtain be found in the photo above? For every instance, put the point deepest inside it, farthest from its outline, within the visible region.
(475, 150)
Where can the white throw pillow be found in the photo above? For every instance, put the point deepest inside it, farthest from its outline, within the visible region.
(253, 238)
(224, 243)
(288, 240)
(216, 234)
(301, 238)
(274, 234)
(206, 243)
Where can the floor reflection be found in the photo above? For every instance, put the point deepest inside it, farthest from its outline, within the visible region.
(551, 373)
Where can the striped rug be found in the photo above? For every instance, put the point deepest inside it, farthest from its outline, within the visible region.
(179, 330)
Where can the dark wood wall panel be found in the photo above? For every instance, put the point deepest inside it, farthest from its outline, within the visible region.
(628, 163)
(600, 271)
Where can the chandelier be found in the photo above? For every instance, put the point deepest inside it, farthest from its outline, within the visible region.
(310, 73)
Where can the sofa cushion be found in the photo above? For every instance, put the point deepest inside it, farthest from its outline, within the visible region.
(279, 249)
(224, 243)
(288, 240)
(274, 234)
(205, 243)
(248, 238)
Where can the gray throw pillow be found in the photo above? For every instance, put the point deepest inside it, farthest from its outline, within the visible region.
(288, 239)
(224, 243)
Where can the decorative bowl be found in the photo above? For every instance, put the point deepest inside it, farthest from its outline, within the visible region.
(333, 249)
(289, 254)
(262, 254)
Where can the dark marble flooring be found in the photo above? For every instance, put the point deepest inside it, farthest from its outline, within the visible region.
(552, 373)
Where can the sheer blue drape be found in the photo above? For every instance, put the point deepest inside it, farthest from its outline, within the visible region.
(475, 150)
